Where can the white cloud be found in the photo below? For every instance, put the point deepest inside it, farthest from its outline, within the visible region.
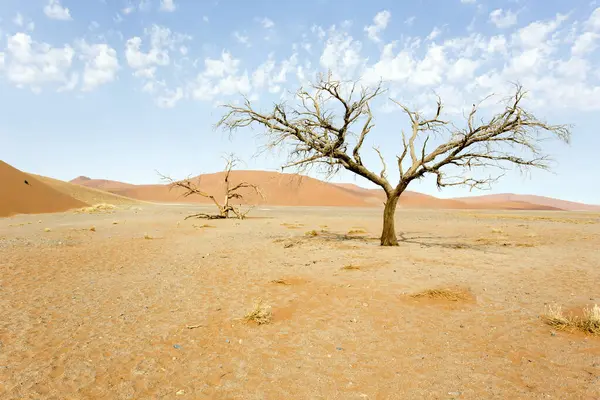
(391, 68)
(242, 39)
(585, 43)
(147, 73)
(380, 22)
(162, 40)
(267, 23)
(503, 19)
(342, 55)
(170, 98)
(101, 64)
(462, 69)
(205, 18)
(410, 20)
(144, 5)
(262, 74)
(551, 58)
(167, 5)
(128, 10)
(593, 23)
(34, 64)
(468, 1)
(219, 68)
(55, 10)
(429, 71)
(536, 33)
(71, 84)
(20, 21)
(434, 33)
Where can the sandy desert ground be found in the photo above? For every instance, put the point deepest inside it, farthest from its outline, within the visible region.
(151, 306)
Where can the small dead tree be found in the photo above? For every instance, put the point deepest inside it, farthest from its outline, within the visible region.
(231, 192)
(317, 136)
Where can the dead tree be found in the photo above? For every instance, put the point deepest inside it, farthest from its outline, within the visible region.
(329, 125)
(231, 192)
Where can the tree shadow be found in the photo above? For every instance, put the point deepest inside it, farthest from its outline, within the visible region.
(440, 242)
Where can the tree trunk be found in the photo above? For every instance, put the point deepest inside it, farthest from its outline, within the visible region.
(388, 236)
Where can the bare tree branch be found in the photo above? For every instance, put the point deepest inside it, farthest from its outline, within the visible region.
(320, 130)
(231, 192)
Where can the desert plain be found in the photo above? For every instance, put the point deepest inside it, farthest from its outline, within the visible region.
(133, 301)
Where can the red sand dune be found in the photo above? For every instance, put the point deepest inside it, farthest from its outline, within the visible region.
(33, 197)
(295, 190)
(531, 199)
(278, 189)
(102, 184)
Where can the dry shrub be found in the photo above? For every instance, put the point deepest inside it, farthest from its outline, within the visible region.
(350, 268)
(146, 236)
(497, 230)
(261, 313)
(443, 294)
(525, 245)
(98, 208)
(279, 282)
(93, 229)
(564, 220)
(589, 323)
(312, 233)
(292, 226)
(357, 232)
(47, 230)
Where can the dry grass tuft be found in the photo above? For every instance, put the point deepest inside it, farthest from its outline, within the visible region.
(279, 282)
(589, 323)
(47, 230)
(97, 208)
(292, 226)
(261, 313)
(204, 226)
(497, 230)
(357, 232)
(585, 219)
(443, 294)
(93, 229)
(350, 268)
(312, 233)
(146, 236)
(524, 245)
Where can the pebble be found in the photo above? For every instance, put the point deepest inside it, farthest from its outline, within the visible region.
(180, 392)
(227, 340)
(338, 348)
(454, 393)
(177, 346)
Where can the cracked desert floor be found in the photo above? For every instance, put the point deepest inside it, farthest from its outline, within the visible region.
(149, 306)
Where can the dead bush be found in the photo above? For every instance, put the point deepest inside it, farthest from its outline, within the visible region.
(261, 314)
(588, 323)
(443, 294)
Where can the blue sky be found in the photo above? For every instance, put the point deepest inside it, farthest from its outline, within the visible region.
(117, 89)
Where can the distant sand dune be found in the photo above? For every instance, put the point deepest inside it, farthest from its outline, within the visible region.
(33, 197)
(46, 195)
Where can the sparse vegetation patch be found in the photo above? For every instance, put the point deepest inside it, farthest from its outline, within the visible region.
(588, 323)
(261, 314)
(443, 294)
